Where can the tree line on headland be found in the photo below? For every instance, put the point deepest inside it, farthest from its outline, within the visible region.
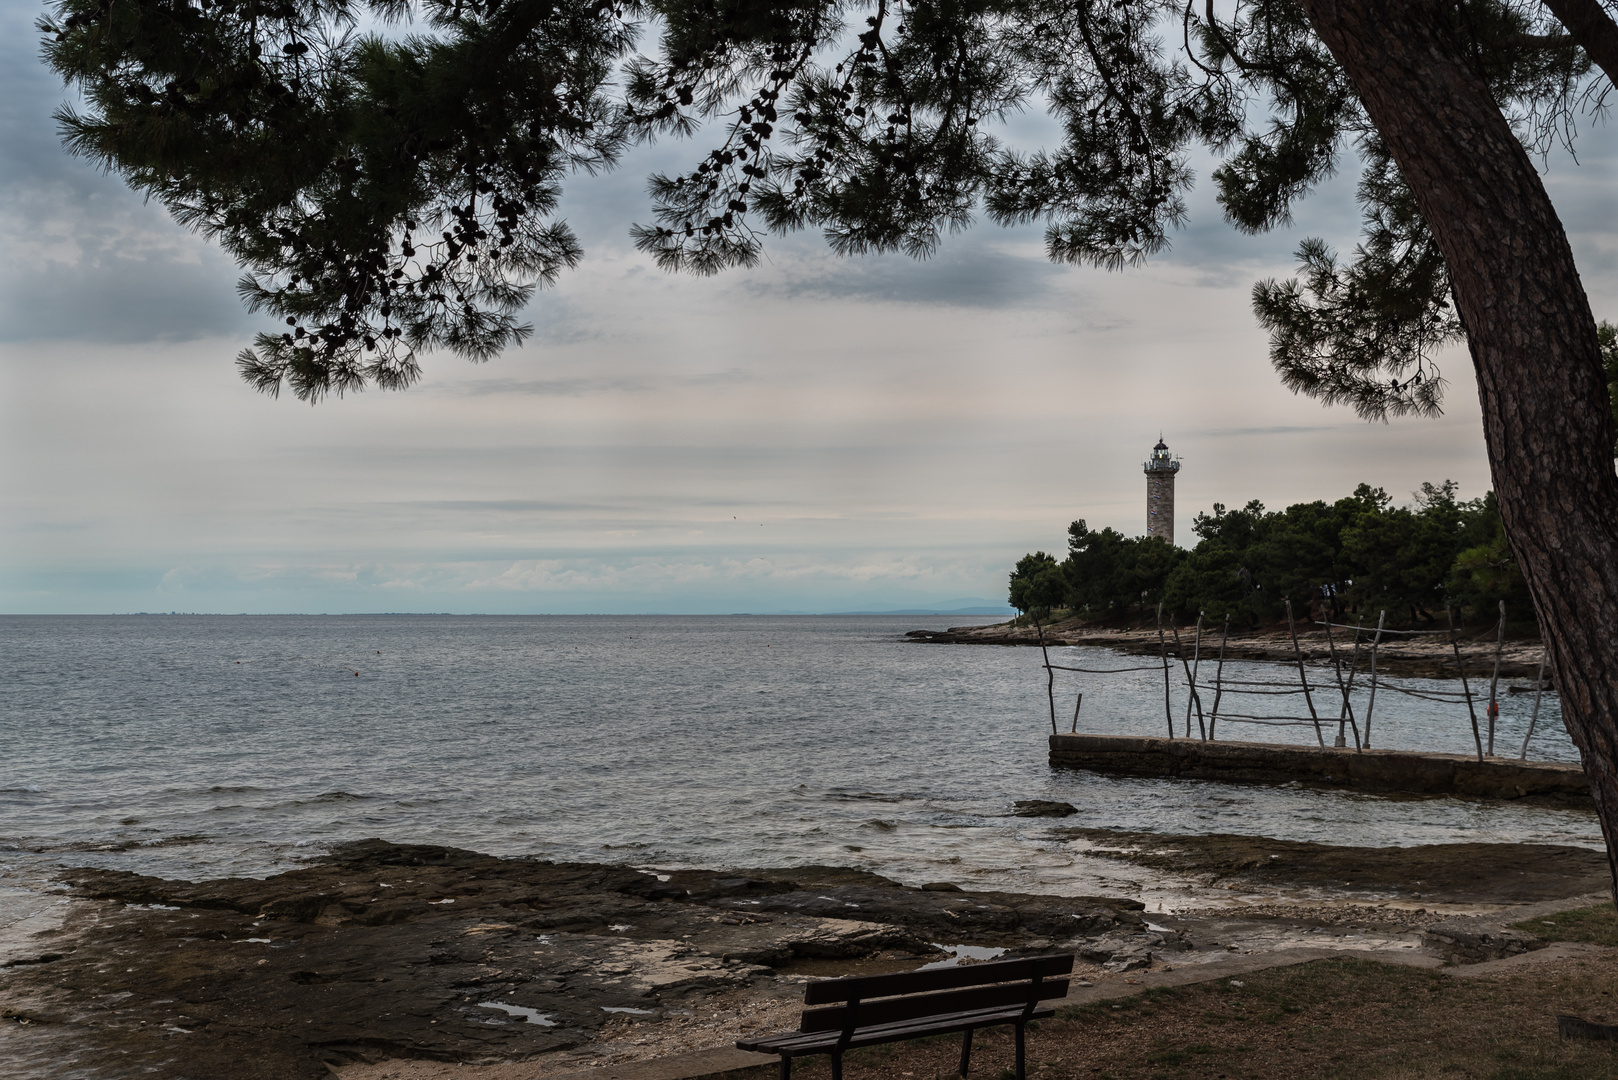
(1354, 557)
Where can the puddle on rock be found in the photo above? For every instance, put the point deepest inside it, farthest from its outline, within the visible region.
(533, 1016)
(962, 954)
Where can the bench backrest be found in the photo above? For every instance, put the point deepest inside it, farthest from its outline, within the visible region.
(909, 995)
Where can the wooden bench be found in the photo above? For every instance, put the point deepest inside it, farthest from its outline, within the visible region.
(874, 1009)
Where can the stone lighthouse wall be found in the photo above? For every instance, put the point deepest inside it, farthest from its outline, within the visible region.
(1160, 504)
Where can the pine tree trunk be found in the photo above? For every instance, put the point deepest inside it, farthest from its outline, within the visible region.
(1532, 337)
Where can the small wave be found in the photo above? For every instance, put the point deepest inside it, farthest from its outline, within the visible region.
(880, 826)
(332, 797)
(26, 789)
(864, 796)
(236, 787)
(37, 847)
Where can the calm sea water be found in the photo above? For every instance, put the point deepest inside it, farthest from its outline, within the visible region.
(201, 746)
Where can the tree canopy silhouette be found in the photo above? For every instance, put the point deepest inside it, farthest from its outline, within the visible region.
(392, 190)
(1357, 556)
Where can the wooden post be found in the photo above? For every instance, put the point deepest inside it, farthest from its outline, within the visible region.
(1376, 644)
(1353, 670)
(1191, 681)
(1494, 679)
(1076, 705)
(1466, 688)
(1346, 713)
(1219, 678)
(1303, 676)
(1050, 674)
(1539, 690)
(1163, 646)
(1196, 669)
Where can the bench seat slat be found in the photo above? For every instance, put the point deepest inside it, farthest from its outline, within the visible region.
(867, 987)
(893, 1009)
(795, 1044)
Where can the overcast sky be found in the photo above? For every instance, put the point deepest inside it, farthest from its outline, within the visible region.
(817, 434)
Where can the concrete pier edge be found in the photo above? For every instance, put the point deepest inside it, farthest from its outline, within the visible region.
(1369, 770)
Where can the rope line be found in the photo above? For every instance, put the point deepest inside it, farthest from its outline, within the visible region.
(1255, 682)
(1447, 697)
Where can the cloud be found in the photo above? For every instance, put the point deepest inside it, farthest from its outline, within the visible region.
(986, 268)
(593, 385)
(1248, 432)
(86, 258)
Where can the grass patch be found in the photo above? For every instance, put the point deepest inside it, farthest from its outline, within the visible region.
(1339, 1019)
(1598, 924)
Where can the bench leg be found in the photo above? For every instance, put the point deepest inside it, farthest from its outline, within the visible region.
(966, 1051)
(786, 1067)
(1022, 1073)
(837, 1066)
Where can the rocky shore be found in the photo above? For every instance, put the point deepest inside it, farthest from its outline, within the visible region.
(1430, 657)
(385, 953)
(398, 951)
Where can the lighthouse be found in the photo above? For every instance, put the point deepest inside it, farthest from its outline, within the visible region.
(1160, 470)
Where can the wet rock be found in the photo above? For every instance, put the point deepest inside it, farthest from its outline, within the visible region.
(1443, 873)
(1470, 941)
(1043, 808)
(1125, 951)
(960, 916)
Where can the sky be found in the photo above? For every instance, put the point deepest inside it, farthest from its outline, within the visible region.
(817, 434)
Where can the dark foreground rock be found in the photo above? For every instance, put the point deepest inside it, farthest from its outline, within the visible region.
(1433, 873)
(396, 951)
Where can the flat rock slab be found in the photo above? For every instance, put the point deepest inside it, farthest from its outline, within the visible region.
(1370, 770)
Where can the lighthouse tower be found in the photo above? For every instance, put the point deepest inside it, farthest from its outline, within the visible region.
(1160, 470)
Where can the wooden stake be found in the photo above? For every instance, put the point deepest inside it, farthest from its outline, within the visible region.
(1219, 678)
(1346, 713)
(1050, 674)
(1191, 681)
(1466, 687)
(1304, 677)
(1163, 646)
(1196, 668)
(1376, 645)
(1353, 670)
(1539, 691)
(1494, 679)
(1076, 705)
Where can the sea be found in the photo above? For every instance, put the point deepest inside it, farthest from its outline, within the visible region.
(208, 746)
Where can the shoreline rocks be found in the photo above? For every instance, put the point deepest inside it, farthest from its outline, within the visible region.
(387, 952)
(407, 951)
(1421, 657)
